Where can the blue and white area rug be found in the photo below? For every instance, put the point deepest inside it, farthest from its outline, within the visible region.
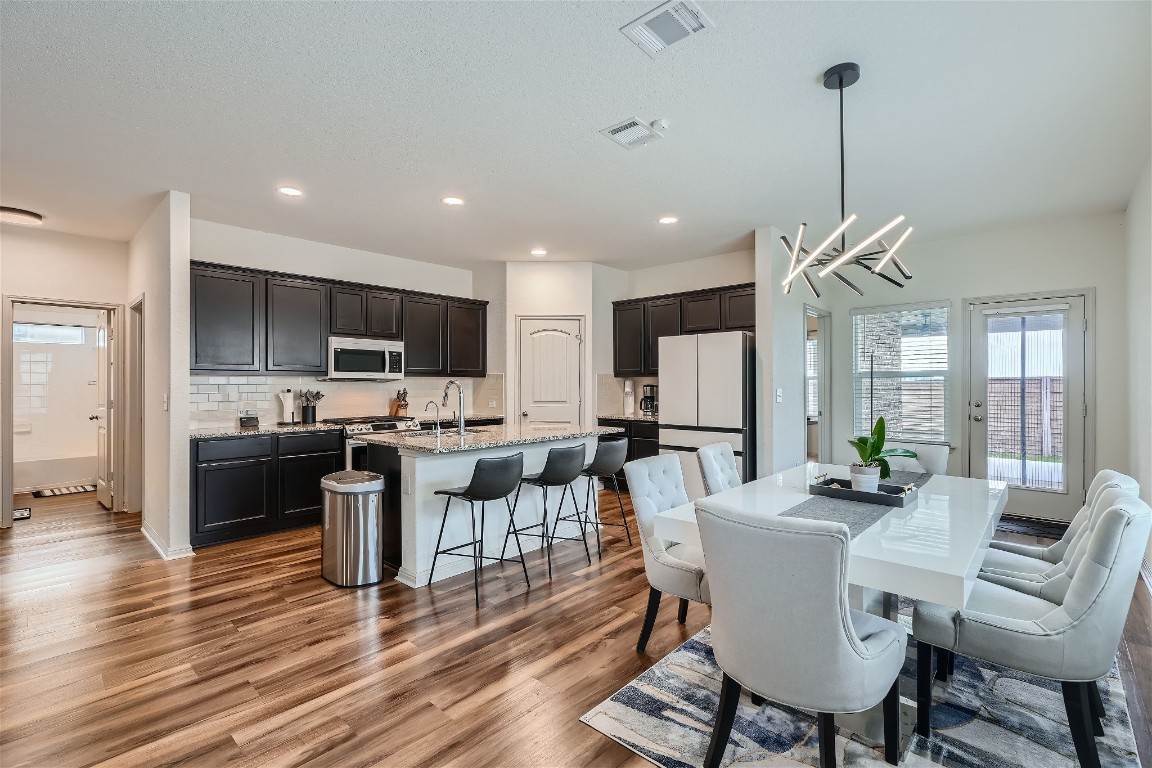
(986, 716)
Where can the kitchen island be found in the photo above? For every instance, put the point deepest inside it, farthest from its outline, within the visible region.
(415, 466)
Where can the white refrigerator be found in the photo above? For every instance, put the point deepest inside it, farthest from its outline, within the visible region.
(708, 395)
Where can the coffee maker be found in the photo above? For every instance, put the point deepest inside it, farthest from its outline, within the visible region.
(649, 405)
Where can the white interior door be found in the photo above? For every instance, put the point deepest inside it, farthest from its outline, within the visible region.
(550, 371)
(1027, 410)
(103, 416)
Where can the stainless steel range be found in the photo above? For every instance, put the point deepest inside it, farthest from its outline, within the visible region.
(356, 451)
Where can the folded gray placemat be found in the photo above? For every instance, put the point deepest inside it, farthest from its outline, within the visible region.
(858, 516)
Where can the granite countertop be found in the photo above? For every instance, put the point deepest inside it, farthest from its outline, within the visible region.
(233, 430)
(630, 417)
(483, 437)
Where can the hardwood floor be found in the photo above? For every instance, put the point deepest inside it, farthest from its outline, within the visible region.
(243, 655)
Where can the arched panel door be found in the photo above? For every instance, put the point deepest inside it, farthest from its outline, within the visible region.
(550, 372)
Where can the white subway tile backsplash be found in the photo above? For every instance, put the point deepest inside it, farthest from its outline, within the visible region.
(195, 398)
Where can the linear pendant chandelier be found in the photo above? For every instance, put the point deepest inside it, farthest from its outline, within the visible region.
(871, 254)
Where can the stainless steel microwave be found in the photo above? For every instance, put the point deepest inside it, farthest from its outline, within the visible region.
(365, 359)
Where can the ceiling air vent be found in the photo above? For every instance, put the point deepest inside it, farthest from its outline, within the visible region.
(633, 133)
(672, 22)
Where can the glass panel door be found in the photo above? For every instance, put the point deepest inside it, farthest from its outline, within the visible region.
(1026, 415)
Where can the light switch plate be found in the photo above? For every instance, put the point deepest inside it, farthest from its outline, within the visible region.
(406, 485)
(491, 403)
(779, 395)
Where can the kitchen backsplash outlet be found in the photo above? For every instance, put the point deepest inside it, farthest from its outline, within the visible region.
(487, 391)
(215, 400)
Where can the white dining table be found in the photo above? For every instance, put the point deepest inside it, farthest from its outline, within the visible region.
(931, 550)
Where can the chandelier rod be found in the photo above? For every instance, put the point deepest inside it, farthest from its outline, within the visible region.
(843, 210)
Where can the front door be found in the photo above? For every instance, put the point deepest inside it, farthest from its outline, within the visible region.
(1027, 413)
(550, 371)
(103, 416)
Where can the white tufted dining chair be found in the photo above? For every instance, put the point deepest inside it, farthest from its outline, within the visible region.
(1025, 567)
(813, 653)
(1070, 635)
(930, 457)
(656, 484)
(718, 468)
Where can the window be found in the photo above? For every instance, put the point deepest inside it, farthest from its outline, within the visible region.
(38, 333)
(812, 377)
(900, 371)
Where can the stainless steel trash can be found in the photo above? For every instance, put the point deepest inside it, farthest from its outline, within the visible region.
(351, 543)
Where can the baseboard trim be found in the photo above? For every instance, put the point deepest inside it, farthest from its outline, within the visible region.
(161, 549)
(49, 486)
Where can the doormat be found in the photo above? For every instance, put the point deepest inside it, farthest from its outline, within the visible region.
(1028, 527)
(63, 491)
(23, 513)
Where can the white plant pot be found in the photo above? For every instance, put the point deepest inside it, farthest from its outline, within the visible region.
(865, 479)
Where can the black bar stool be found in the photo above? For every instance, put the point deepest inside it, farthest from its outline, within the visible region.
(492, 479)
(609, 459)
(561, 468)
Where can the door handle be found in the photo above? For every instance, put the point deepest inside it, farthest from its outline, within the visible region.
(93, 418)
(524, 414)
(977, 418)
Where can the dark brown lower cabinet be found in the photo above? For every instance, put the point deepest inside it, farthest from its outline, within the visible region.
(249, 485)
(300, 476)
(234, 498)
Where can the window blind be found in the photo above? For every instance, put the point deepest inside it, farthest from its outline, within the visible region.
(812, 378)
(900, 371)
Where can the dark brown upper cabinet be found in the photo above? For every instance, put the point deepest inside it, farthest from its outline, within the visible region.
(663, 320)
(628, 340)
(385, 315)
(700, 314)
(227, 320)
(739, 309)
(349, 311)
(363, 312)
(297, 326)
(638, 324)
(467, 339)
(425, 336)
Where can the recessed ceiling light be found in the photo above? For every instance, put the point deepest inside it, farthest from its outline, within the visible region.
(539, 252)
(290, 192)
(20, 216)
(452, 201)
(669, 220)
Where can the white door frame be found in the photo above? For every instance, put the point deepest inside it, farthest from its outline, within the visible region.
(1089, 297)
(514, 417)
(134, 364)
(7, 312)
(824, 379)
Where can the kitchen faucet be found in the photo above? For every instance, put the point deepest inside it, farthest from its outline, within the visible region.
(460, 392)
(436, 405)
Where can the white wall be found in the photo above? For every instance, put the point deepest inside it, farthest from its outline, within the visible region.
(707, 272)
(158, 269)
(1138, 226)
(39, 263)
(223, 244)
(1055, 254)
(490, 282)
(780, 333)
(564, 288)
(54, 393)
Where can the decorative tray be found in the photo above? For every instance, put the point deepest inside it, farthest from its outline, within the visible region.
(887, 495)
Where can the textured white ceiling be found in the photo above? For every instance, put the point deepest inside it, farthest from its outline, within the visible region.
(968, 115)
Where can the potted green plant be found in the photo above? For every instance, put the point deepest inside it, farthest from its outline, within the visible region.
(873, 465)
